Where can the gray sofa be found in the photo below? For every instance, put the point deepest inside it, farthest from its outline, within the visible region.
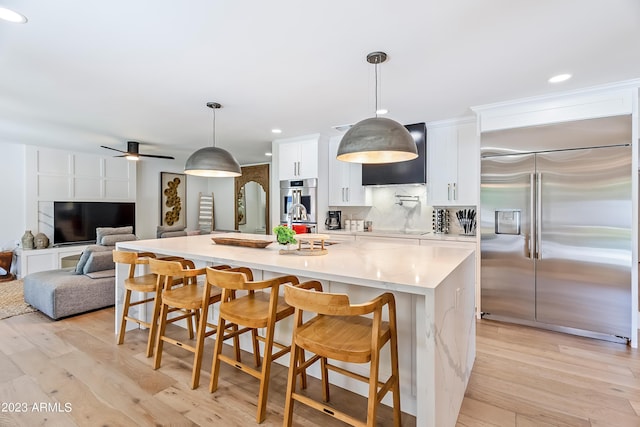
(88, 286)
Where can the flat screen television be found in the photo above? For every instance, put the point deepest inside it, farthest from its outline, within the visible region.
(76, 222)
(409, 172)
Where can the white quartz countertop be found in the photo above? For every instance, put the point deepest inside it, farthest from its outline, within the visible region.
(390, 266)
(420, 235)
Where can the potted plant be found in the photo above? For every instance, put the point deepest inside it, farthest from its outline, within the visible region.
(285, 235)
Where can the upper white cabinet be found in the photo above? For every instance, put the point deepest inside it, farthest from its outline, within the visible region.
(453, 153)
(345, 180)
(298, 159)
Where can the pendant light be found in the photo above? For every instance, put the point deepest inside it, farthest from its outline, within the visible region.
(212, 161)
(378, 139)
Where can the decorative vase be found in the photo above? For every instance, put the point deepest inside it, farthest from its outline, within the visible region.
(41, 241)
(27, 240)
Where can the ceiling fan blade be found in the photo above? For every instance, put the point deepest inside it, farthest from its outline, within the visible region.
(114, 149)
(157, 157)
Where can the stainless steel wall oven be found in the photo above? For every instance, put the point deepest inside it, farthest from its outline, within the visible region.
(299, 198)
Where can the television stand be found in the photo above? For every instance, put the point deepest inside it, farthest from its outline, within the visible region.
(34, 260)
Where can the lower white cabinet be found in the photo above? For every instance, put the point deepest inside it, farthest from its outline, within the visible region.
(34, 260)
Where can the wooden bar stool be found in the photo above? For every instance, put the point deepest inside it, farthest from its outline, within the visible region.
(145, 283)
(340, 331)
(255, 309)
(193, 299)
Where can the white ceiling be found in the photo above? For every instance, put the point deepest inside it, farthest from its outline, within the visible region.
(81, 74)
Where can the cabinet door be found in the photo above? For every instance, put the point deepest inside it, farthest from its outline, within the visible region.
(298, 159)
(443, 165)
(453, 165)
(288, 157)
(338, 175)
(308, 159)
(468, 153)
(345, 180)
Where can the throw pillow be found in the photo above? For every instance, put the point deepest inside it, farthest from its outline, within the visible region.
(107, 231)
(85, 256)
(111, 240)
(99, 261)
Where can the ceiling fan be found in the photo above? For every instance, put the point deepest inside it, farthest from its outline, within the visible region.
(132, 152)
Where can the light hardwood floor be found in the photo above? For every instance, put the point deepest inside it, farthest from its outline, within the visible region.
(522, 377)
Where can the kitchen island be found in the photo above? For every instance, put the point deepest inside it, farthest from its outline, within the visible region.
(434, 290)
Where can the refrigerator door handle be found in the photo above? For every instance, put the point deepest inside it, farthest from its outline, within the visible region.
(538, 214)
(530, 238)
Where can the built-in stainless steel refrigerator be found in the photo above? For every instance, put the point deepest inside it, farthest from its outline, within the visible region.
(556, 222)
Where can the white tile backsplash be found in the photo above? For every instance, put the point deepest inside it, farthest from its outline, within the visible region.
(389, 213)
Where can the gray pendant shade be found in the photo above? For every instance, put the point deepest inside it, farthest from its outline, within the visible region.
(212, 162)
(377, 140)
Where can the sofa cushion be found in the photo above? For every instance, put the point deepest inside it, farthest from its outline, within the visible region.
(99, 261)
(60, 293)
(102, 274)
(173, 234)
(85, 256)
(168, 229)
(112, 239)
(108, 231)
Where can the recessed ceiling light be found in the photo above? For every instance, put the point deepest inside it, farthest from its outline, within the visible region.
(276, 130)
(11, 16)
(382, 111)
(560, 78)
(268, 154)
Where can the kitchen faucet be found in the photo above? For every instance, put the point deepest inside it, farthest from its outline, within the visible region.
(303, 213)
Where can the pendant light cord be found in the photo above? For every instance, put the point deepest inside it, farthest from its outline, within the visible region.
(214, 127)
(376, 76)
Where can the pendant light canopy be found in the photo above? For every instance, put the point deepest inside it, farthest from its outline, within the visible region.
(212, 161)
(378, 139)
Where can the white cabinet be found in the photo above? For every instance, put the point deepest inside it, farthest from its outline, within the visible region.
(34, 260)
(345, 180)
(298, 159)
(453, 156)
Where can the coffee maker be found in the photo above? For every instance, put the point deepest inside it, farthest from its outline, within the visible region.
(334, 220)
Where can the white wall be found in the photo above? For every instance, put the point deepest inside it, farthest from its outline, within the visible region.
(148, 194)
(14, 216)
(223, 202)
(12, 223)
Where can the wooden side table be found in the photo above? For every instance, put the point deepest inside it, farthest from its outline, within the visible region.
(6, 259)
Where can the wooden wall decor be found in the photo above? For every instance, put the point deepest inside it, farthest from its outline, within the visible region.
(260, 175)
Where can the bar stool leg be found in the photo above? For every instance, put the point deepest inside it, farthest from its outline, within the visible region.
(215, 365)
(325, 379)
(291, 384)
(161, 331)
(256, 346)
(125, 313)
(266, 371)
(153, 330)
(395, 372)
(200, 334)
(372, 404)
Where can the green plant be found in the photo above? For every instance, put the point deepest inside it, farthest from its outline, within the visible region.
(285, 235)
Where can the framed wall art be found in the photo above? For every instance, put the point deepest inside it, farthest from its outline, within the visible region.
(173, 199)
